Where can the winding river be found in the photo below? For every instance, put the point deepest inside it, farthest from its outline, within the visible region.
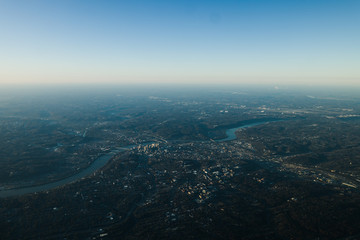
(97, 164)
(230, 133)
(101, 161)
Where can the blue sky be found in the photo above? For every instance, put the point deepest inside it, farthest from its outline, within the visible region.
(257, 41)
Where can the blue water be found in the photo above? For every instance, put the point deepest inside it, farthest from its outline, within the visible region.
(230, 133)
(97, 164)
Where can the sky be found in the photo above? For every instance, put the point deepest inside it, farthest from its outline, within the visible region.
(203, 42)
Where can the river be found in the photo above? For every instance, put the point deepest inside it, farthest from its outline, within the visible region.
(101, 161)
(230, 133)
(97, 164)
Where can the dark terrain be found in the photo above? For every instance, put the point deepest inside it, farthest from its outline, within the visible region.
(294, 178)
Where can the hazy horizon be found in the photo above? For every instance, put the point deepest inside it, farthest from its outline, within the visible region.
(296, 43)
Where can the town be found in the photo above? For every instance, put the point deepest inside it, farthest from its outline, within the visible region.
(173, 172)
